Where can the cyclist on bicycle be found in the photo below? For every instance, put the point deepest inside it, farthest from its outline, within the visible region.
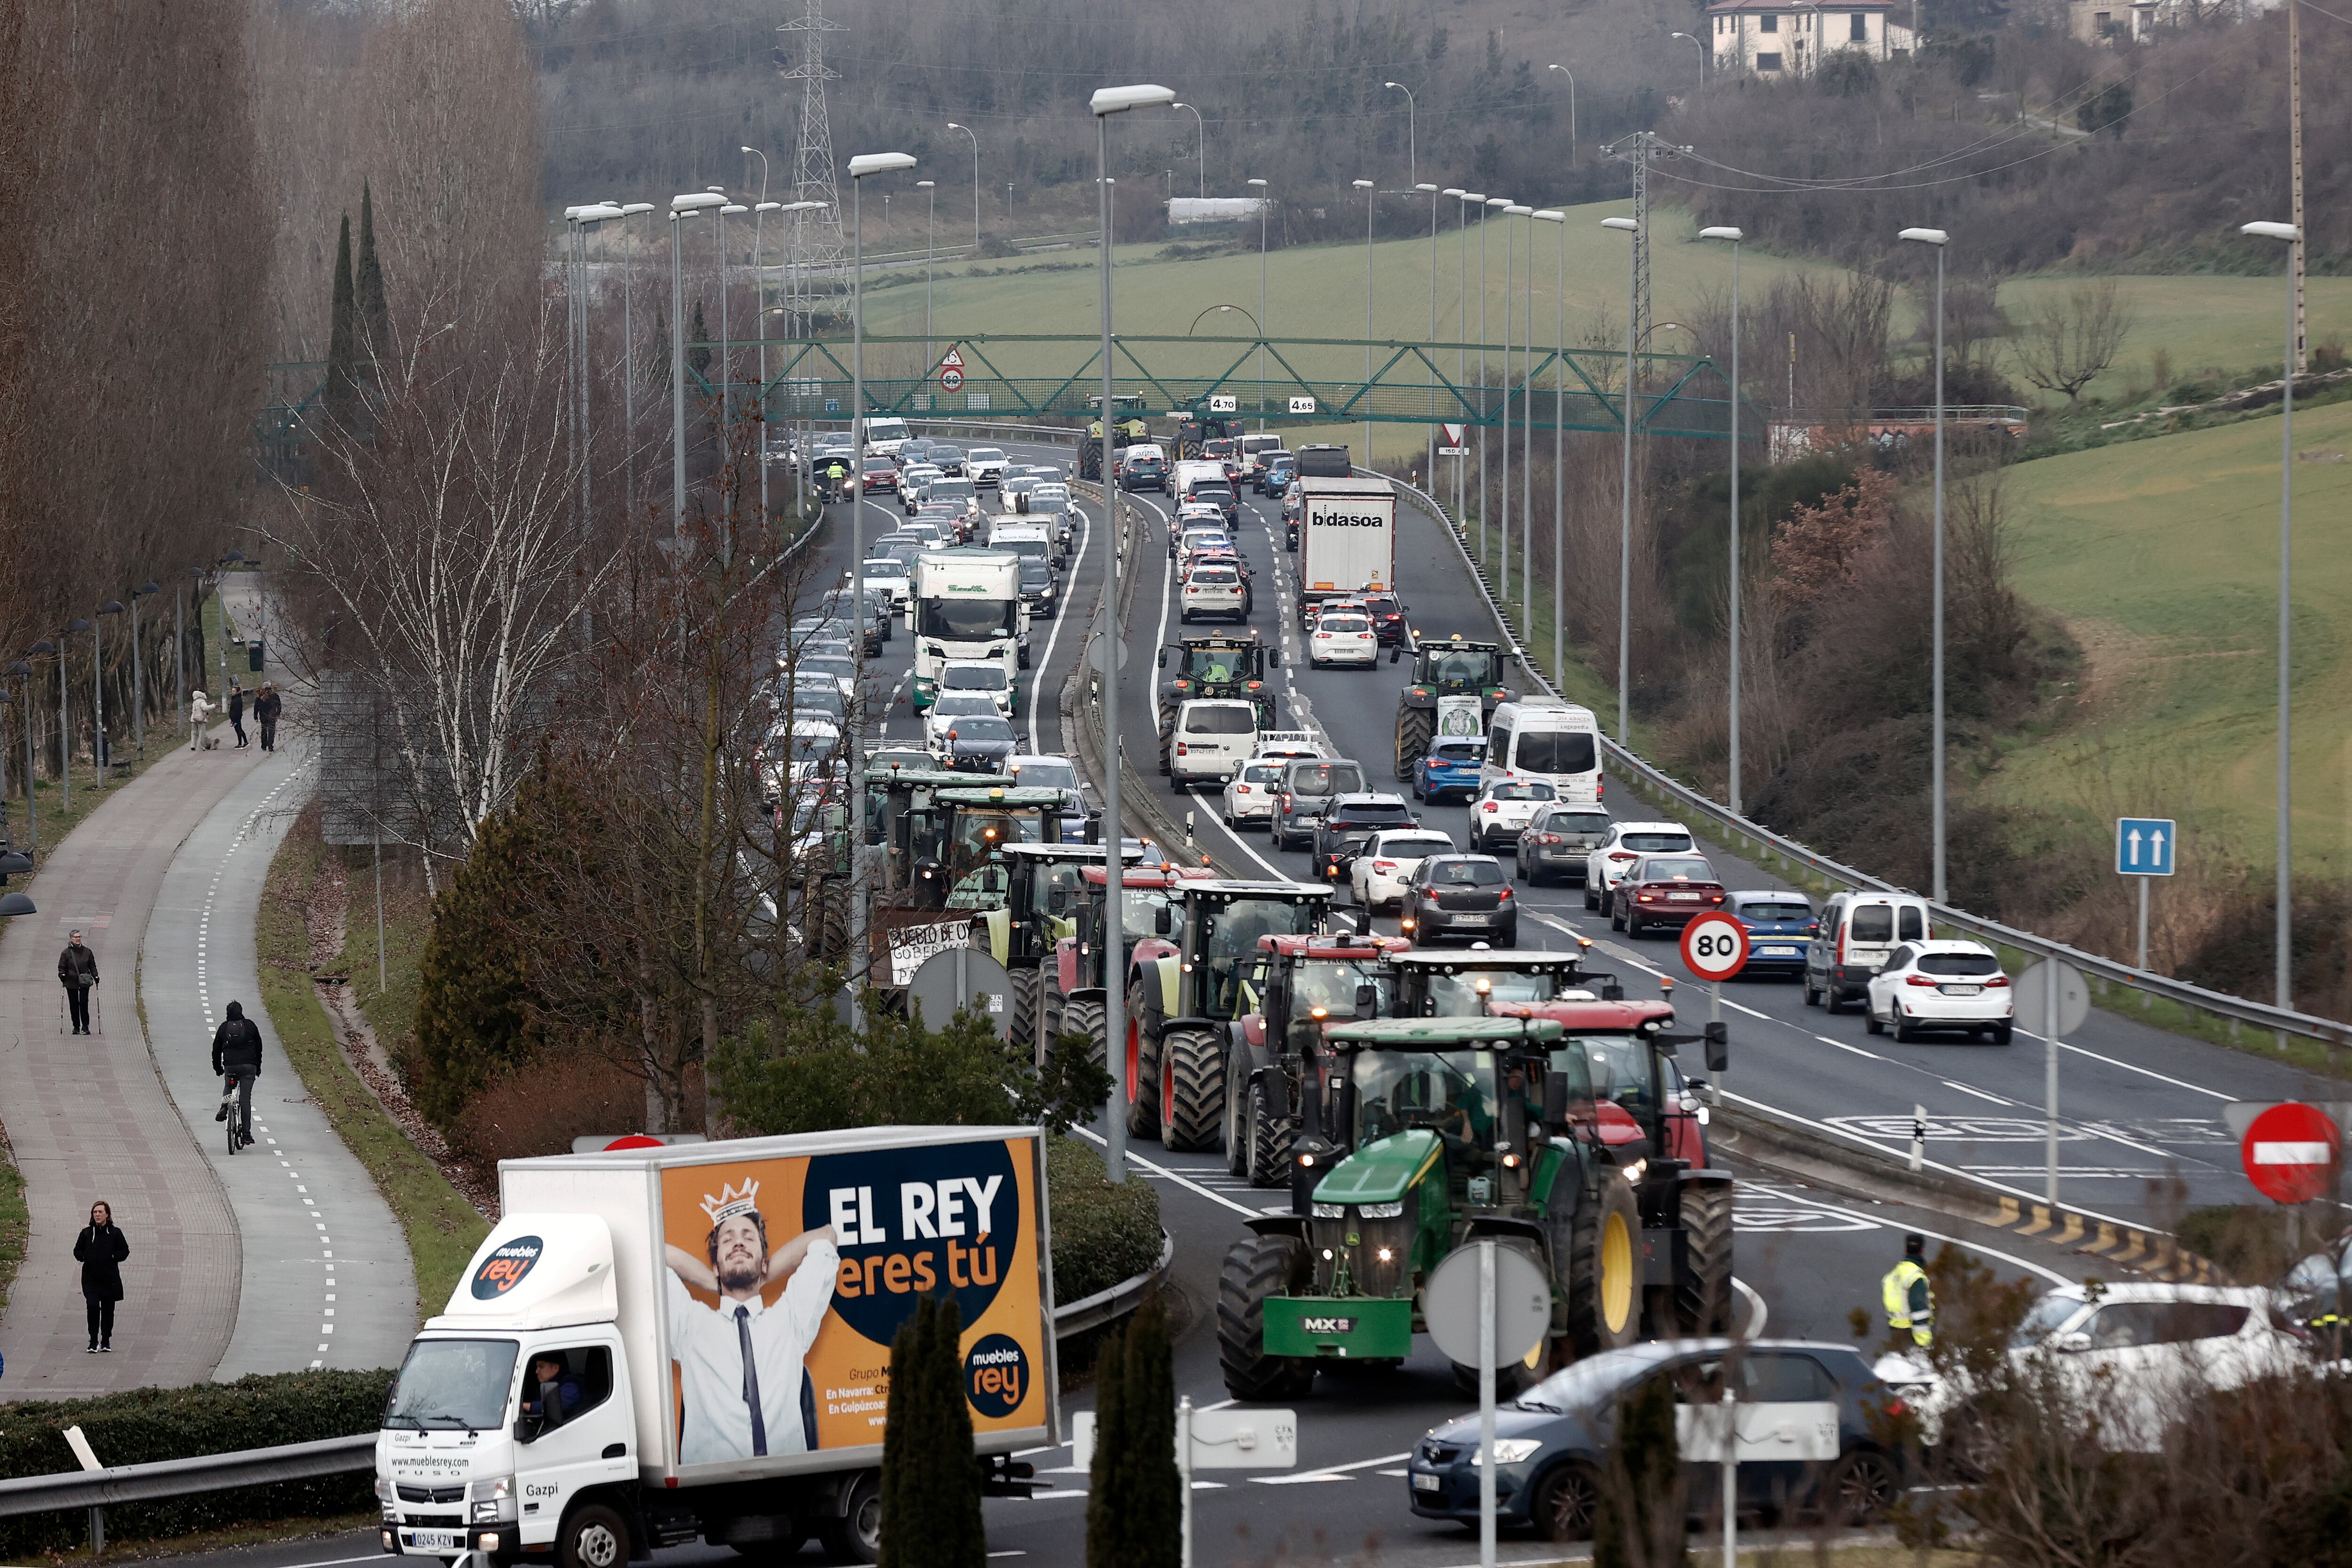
(236, 1057)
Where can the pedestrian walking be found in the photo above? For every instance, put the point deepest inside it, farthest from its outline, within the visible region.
(236, 713)
(102, 1249)
(266, 708)
(236, 1061)
(1909, 1298)
(200, 710)
(78, 972)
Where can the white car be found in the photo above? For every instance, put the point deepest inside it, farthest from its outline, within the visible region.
(911, 481)
(1343, 639)
(1502, 809)
(888, 573)
(984, 465)
(1193, 540)
(1214, 736)
(2124, 1351)
(947, 708)
(1213, 588)
(1249, 794)
(1626, 843)
(1388, 862)
(1956, 985)
(984, 676)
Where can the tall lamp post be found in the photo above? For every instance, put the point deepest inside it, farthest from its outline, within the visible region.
(1571, 111)
(760, 326)
(2283, 933)
(1462, 324)
(1199, 145)
(629, 364)
(681, 208)
(1938, 239)
(1510, 242)
(1429, 469)
(98, 747)
(1491, 202)
(931, 189)
(1701, 46)
(1558, 419)
(1106, 102)
(1411, 130)
(1263, 202)
(975, 181)
(1528, 443)
(1733, 235)
(1625, 512)
(1369, 195)
(860, 168)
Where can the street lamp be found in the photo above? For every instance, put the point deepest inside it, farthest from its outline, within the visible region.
(1938, 238)
(2284, 931)
(1483, 489)
(1430, 462)
(1702, 53)
(1527, 442)
(1106, 102)
(98, 747)
(760, 325)
(1625, 514)
(582, 219)
(975, 181)
(931, 249)
(681, 208)
(1502, 581)
(629, 364)
(1461, 318)
(860, 167)
(1411, 130)
(726, 347)
(1263, 202)
(138, 685)
(1558, 419)
(1571, 111)
(1369, 195)
(1200, 146)
(1734, 236)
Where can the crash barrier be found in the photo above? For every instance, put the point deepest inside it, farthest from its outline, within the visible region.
(2236, 1010)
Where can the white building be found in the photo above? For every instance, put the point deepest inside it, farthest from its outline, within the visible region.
(1773, 37)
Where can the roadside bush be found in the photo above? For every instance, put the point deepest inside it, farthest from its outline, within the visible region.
(1102, 1234)
(151, 1423)
(558, 1095)
(473, 1004)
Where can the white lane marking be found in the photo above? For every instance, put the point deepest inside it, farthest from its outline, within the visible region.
(1330, 1472)
(1857, 1051)
(1980, 1094)
(2145, 1072)
(1782, 1195)
(1181, 1181)
(1045, 662)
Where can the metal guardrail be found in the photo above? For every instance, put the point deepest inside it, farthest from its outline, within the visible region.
(2328, 1032)
(177, 1478)
(1093, 1312)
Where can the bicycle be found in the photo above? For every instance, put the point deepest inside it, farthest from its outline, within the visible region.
(229, 1082)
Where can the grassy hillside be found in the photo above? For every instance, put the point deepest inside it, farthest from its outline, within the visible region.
(2162, 556)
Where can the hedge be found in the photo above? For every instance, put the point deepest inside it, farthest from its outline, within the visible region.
(1102, 1234)
(151, 1423)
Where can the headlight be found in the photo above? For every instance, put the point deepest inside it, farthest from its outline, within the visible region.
(1382, 1211)
(1330, 1211)
(384, 1491)
(1636, 1170)
(1508, 1450)
(492, 1501)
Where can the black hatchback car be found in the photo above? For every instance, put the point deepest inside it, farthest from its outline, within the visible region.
(1805, 1443)
(1466, 896)
(1341, 833)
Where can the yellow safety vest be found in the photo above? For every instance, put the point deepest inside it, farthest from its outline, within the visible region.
(1894, 1293)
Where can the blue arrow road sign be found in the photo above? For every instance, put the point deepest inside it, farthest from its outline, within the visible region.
(2144, 846)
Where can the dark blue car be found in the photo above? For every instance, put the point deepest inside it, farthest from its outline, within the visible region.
(1805, 1442)
(1450, 767)
(1777, 924)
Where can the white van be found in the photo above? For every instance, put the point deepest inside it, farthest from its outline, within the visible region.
(1212, 738)
(1543, 737)
(885, 434)
(1851, 940)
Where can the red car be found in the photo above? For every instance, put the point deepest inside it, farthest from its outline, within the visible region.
(1664, 890)
(881, 473)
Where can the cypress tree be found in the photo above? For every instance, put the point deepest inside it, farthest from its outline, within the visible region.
(1639, 1523)
(1134, 1496)
(374, 313)
(930, 1482)
(474, 997)
(697, 339)
(342, 329)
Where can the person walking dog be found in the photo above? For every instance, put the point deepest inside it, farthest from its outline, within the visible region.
(200, 708)
(102, 1249)
(266, 708)
(78, 972)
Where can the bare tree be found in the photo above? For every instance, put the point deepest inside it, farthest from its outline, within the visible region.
(2068, 344)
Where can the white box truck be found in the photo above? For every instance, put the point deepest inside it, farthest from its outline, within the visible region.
(1347, 543)
(655, 1345)
(967, 604)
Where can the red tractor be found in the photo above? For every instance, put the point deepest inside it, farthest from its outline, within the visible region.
(1071, 999)
(1300, 983)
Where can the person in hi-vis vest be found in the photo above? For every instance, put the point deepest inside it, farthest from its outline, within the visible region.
(1910, 1301)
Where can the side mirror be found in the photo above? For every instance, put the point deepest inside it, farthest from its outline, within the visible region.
(1367, 1000)
(1163, 920)
(1163, 658)
(1396, 654)
(2072, 1344)
(1612, 992)
(1057, 902)
(1718, 1048)
(1274, 659)
(1555, 1100)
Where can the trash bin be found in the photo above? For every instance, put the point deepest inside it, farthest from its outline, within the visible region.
(253, 654)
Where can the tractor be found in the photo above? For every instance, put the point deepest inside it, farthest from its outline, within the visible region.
(1195, 431)
(1645, 1110)
(1127, 413)
(1045, 890)
(1456, 686)
(1297, 984)
(1418, 1137)
(1187, 986)
(1227, 664)
(1072, 995)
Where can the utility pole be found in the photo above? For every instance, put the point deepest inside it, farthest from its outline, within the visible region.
(2295, 174)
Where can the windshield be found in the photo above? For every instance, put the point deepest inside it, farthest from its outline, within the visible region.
(978, 834)
(452, 1385)
(829, 664)
(1456, 751)
(1557, 752)
(963, 704)
(972, 678)
(1459, 669)
(1048, 773)
(986, 455)
(1654, 841)
(1228, 942)
(1220, 574)
(981, 728)
(1958, 964)
(1221, 719)
(1138, 911)
(1459, 997)
(886, 566)
(1464, 874)
(1413, 846)
(885, 430)
(1330, 984)
(947, 489)
(1453, 1092)
(1511, 790)
(1214, 664)
(1677, 872)
(1325, 778)
(967, 620)
(2047, 1317)
(1764, 911)
(1620, 1065)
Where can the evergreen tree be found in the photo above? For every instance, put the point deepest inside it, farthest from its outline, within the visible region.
(474, 1015)
(375, 311)
(1134, 1496)
(1640, 1521)
(930, 1482)
(343, 328)
(698, 337)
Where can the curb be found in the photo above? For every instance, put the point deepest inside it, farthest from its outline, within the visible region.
(1093, 1312)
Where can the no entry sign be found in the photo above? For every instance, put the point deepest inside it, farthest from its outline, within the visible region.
(1715, 946)
(2290, 1152)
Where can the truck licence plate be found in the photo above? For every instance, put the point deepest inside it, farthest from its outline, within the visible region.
(437, 1539)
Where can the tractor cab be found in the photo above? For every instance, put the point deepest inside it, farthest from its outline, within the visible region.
(1459, 984)
(1643, 1102)
(1296, 986)
(1230, 665)
(1216, 926)
(973, 826)
(1457, 685)
(1045, 890)
(1460, 667)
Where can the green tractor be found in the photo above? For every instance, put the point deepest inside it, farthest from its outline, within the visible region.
(1046, 889)
(1226, 664)
(1419, 1136)
(1188, 984)
(1455, 684)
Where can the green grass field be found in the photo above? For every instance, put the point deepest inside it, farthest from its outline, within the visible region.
(2162, 556)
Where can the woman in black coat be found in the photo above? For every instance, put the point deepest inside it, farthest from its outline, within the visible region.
(102, 1249)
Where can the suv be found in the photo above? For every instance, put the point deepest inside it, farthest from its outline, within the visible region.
(1351, 824)
(1625, 842)
(1143, 469)
(1460, 895)
(1450, 767)
(1212, 739)
(1309, 785)
(1388, 613)
(1214, 588)
(985, 465)
(1261, 462)
(1557, 839)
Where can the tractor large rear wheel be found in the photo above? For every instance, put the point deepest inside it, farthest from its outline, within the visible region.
(1257, 1268)
(1703, 1294)
(1085, 1017)
(1604, 1271)
(1192, 1089)
(1142, 1049)
(1414, 726)
(1270, 1141)
(1052, 1009)
(1025, 1011)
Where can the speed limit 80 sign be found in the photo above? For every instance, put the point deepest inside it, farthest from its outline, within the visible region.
(1715, 947)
